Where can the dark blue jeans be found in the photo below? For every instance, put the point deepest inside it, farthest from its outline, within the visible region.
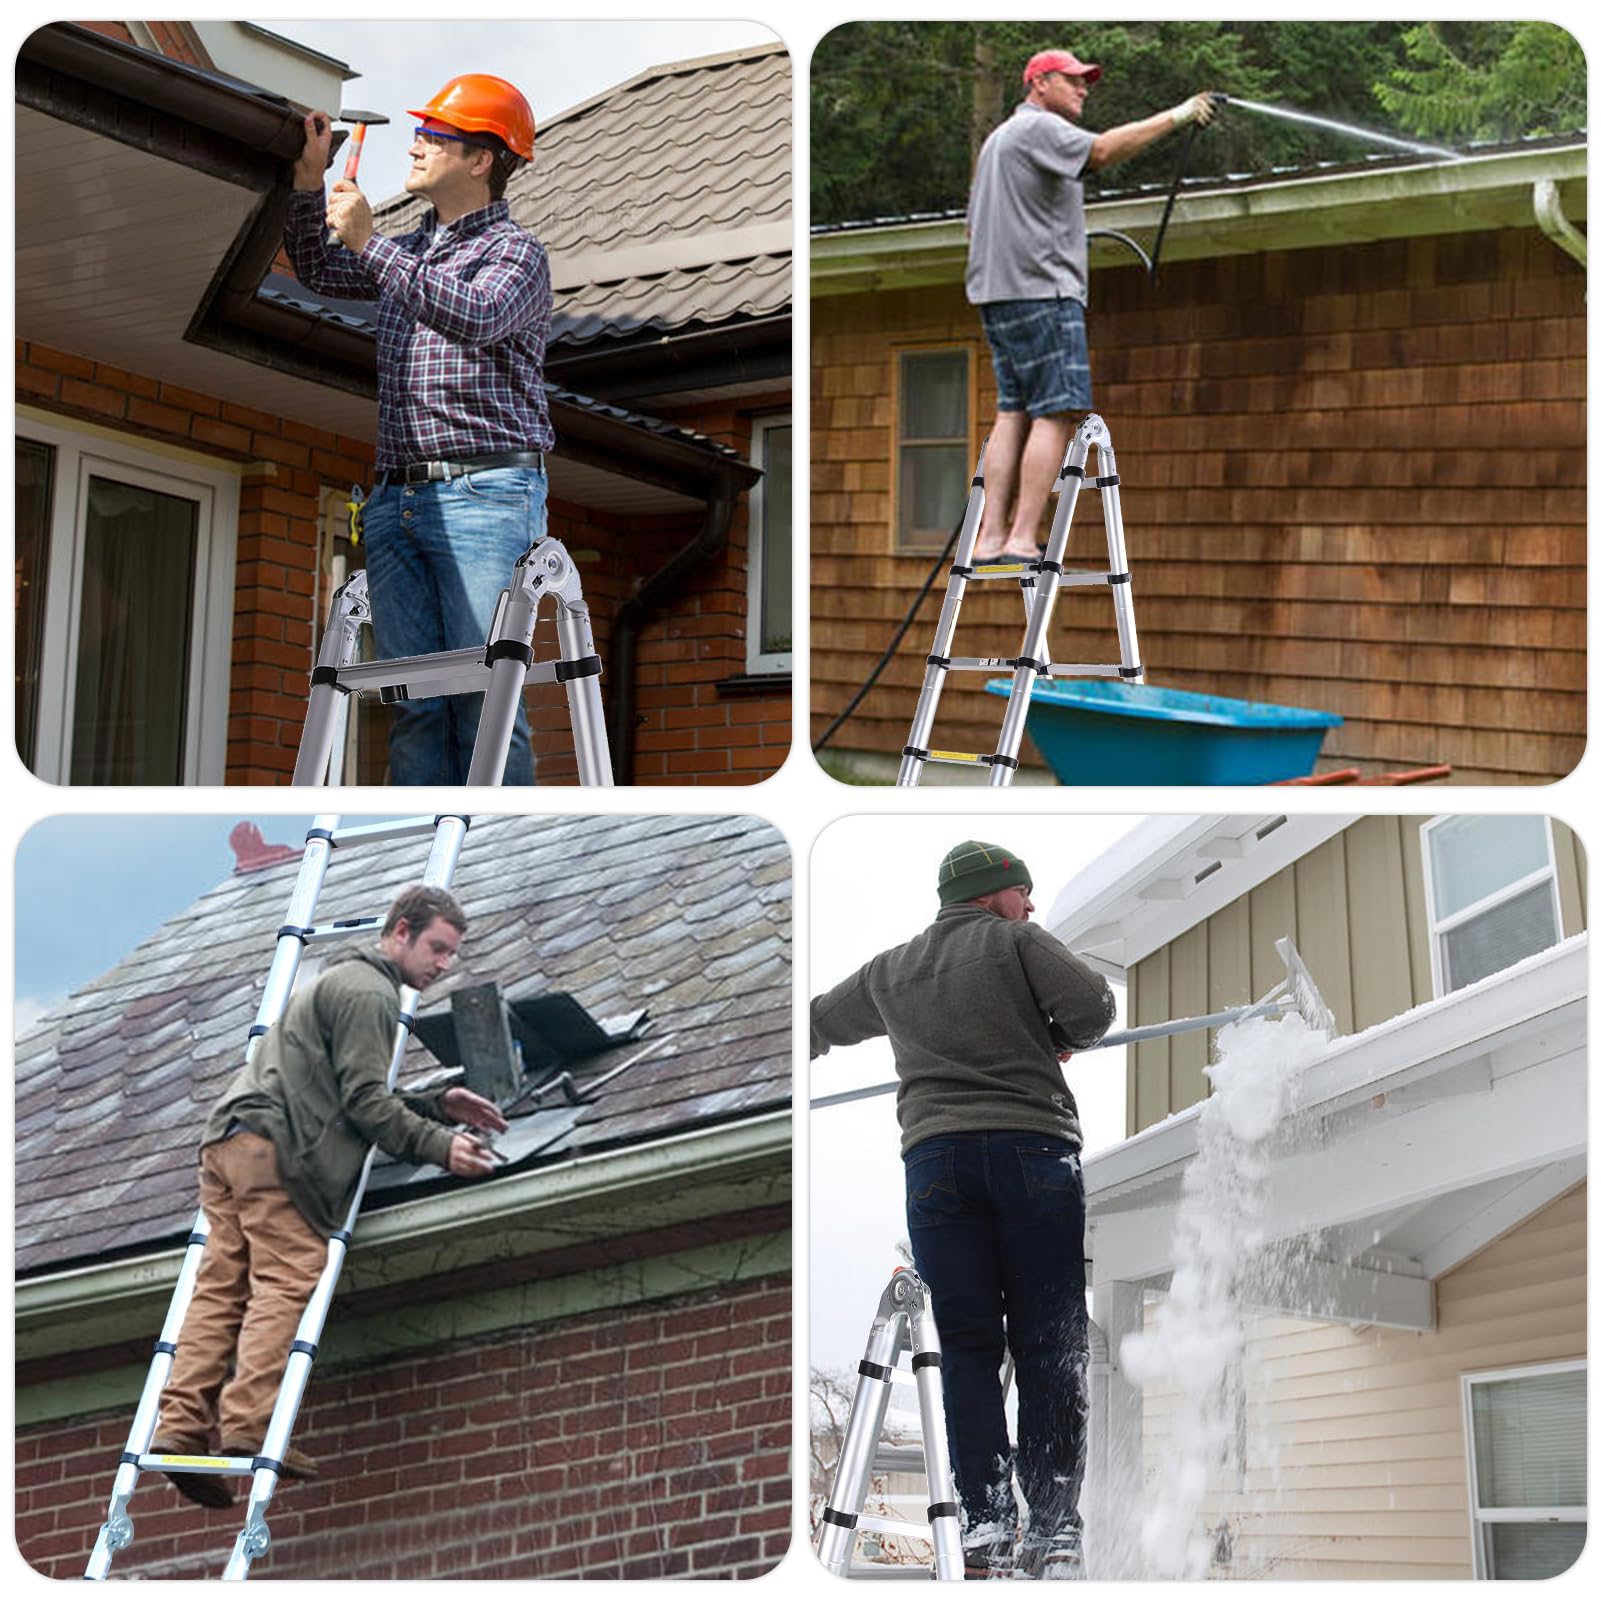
(997, 1228)
(438, 556)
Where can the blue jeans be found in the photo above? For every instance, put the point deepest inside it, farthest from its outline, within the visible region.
(438, 556)
(997, 1230)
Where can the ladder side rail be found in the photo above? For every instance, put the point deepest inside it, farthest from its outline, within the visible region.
(928, 698)
(509, 653)
(853, 1473)
(254, 1538)
(350, 608)
(944, 1511)
(582, 683)
(1033, 658)
(116, 1533)
(1130, 669)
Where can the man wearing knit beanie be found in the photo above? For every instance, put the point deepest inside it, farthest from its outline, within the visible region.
(981, 1009)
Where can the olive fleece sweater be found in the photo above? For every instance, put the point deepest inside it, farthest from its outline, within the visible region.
(976, 1009)
(317, 1087)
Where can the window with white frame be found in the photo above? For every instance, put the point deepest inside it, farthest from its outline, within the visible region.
(770, 625)
(1526, 1469)
(1491, 888)
(933, 465)
(124, 609)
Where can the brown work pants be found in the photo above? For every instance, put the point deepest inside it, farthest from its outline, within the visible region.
(261, 1263)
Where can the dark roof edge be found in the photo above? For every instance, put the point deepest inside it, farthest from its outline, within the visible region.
(255, 118)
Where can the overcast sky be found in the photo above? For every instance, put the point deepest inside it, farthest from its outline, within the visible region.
(872, 886)
(555, 64)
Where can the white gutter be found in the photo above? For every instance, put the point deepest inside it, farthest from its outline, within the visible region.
(522, 1202)
(1418, 1045)
(1477, 193)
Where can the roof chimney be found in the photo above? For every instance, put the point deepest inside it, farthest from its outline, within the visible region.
(252, 852)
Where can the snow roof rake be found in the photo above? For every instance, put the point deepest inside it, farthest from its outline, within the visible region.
(1296, 992)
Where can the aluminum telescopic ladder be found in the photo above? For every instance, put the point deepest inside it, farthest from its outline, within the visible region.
(499, 669)
(264, 1470)
(904, 1321)
(1041, 580)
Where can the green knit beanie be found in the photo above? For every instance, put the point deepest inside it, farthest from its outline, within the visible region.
(973, 868)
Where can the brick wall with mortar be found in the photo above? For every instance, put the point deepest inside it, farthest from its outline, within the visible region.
(1353, 479)
(689, 730)
(649, 1442)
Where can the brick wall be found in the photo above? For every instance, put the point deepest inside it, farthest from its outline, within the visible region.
(644, 1443)
(1353, 479)
(169, 36)
(691, 731)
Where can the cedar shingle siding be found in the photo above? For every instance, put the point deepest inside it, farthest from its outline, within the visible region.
(1353, 479)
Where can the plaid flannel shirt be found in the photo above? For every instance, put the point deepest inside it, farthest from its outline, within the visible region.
(463, 317)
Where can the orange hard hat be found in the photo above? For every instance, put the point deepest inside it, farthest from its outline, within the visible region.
(477, 102)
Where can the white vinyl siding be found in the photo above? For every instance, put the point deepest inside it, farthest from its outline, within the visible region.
(1358, 1467)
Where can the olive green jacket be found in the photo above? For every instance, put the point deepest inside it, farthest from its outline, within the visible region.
(317, 1087)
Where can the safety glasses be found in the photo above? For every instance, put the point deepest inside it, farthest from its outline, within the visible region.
(434, 136)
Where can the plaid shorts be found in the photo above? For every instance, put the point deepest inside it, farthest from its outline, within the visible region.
(1041, 355)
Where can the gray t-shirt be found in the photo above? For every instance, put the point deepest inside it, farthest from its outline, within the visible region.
(1025, 215)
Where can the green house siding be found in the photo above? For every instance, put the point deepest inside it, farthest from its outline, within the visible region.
(1356, 910)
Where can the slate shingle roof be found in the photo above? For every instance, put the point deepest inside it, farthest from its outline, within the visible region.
(688, 916)
(652, 187)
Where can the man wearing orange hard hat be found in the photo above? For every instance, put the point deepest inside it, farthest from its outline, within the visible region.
(1028, 274)
(463, 318)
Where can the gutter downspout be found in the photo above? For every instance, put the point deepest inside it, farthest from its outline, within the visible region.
(657, 592)
(1554, 223)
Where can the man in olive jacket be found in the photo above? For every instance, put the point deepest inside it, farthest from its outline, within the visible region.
(981, 1009)
(280, 1158)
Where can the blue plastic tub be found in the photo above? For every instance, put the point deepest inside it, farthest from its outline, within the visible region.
(1103, 731)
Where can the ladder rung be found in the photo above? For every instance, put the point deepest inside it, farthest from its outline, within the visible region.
(977, 664)
(376, 833)
(447, 672)
(1083, 670)
(888, 1570)
(1011, 569)
(236, 1465)
(871, 1520)
(344, 928)
(958, 758)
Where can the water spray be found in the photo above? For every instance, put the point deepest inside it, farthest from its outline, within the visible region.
(1349, 129)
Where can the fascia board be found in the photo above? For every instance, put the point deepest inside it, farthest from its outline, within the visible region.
(1418, 1045)
(1475, 193)
(1098, 908)
(699, 1157)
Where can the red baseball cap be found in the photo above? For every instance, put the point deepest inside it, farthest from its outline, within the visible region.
(1059, 61)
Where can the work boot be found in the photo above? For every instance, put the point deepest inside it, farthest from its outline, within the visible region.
(296, 1464)
(204, 1489)
(1056, 1556)
(988, 1554)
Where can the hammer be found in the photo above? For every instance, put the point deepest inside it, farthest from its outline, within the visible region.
(360, 121)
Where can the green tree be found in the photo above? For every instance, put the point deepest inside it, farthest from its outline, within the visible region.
(1488, 81)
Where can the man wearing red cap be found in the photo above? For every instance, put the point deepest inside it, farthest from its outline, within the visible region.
(463, 317)
(1028, 274)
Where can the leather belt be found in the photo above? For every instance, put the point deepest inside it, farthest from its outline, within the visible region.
(436, 472)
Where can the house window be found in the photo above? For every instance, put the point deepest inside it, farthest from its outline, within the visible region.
(124, 609)
(1492, 894)
(1526, 1470)
(770, 630)
(934, 465)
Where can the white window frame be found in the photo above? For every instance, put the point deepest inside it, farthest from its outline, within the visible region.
(1440, 927)
(756, 659)
(79, 454)
(1481, 1518)
(913, 542)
